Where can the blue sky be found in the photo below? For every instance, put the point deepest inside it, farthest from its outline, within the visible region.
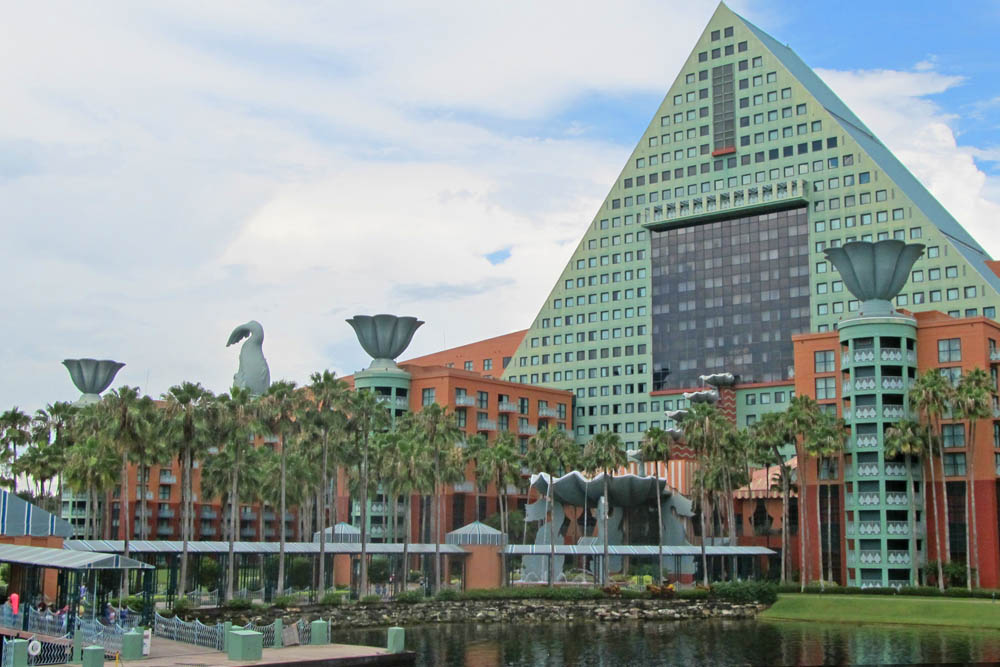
(168, 171)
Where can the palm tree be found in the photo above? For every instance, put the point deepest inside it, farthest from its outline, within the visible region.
(409, 467)
(329, 395)
(475, 452)
(703, 427)
(439, 430)
(825, 441)
(549, 451)
(126, 418)
(655, 448)
(907, 438)
(367, 415)
(91, 465)
(501, 466)
(235, 417)
(276, 411)
(52, 435)
(931, 396)
(14, 432)
(972, 403)
(767, 436)
(186, 410)
(803, 417)
(605, 452)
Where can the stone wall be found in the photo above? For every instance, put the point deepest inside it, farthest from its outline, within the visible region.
(498, 611)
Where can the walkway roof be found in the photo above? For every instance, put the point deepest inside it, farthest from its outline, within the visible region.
(626, 550)
(61, 559)
(218, 547)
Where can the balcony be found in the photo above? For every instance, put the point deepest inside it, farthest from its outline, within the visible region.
(507, 406)
(893, 412)
(138, 495)
(465, 401)
(864, 384)
(866, 441)
(208, 513)
(526, 429)
(867, 470)
(166, 514)
(891, 383)
(486, 425)
(464, 487)
(864, 356)
(845, 361)
(866, 557)
(207, 531)
(902, 529)
(898, 469)
(248, 516)
(248, 533)
(890, 354)
(269, 516)
(994, 355)
(757, 198)
(898, 558)
(901, 499)
(164, 531)
(867, 498)
(862, 412)
(548, 413)
(863, 528)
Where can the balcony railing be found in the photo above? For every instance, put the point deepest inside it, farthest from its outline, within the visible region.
(209, 514)
(864, 356)
(994, 355)
(207, 530)
(164, 530)
(863, 498)
(167, 479)
(868, 470)
(890, 354)
(864, 384)
(527, 429)
(248, 532)
(845, 361)
(465, 400)
(486, 425)
(166, 514)
(898, 557)
(892, 383)
(902, 529)
(248, 516)
(507, 406)
(867, 441)
(870, 557)
(863, 412)
(737, 199)
(893, 412)
(864, 528)
(548, 413)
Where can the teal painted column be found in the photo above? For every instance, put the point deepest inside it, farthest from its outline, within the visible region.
(319, 632)
(93, 656)
(19, 649)
(279, 627)
(396, 639)
(878, 367)
(132, 645)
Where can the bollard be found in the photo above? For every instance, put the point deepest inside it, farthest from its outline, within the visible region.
(77, 648)
(279, 627)
(245, 645)
(132, 645)
(319, 632)
(227, 627)
(93, 656)
(395, 640)
(19, 648)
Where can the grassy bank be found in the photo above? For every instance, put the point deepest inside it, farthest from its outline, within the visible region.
(893, 609)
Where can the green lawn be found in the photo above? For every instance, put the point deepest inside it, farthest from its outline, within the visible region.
(894, 609)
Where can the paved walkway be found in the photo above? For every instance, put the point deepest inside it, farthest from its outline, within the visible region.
(166, 653)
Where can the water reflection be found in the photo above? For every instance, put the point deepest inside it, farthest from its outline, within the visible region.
(713, 642)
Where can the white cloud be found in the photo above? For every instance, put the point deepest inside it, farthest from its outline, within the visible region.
(169, 171)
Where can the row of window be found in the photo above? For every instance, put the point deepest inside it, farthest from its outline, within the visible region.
(762, 118)
(764, 397)
(897, 234)
(615, 258)
(470, 365)
(604, 297)
(582, 355)
(617, 239)
(593, 335)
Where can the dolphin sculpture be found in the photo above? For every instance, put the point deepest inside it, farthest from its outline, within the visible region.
(253, 373)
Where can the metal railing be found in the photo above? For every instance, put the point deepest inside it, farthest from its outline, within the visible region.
(46, 623)
(266, 630)
(190, 632)
(94, 632)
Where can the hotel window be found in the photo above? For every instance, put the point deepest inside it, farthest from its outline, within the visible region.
(953, 435)
(826, 388)
(933, 251)
(427, 396)
(470, 365)
(951, 272)
(954, 464)
(935, 295)
(824, 361)
(952, 373)
(990, 312)
(487, 364)
(934, 274)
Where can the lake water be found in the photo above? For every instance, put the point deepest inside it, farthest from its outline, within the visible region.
(704, 642)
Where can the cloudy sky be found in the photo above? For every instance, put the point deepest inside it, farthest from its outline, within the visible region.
(169, 170)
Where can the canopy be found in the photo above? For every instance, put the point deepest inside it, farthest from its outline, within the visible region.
(62, 559)
(624, 490)
(205, 547)
(476, 532)
(628, 550)
(18, 517)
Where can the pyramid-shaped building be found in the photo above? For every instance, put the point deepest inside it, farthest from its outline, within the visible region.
(707, 253)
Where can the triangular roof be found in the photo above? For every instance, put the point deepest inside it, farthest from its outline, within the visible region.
(476, 532)
(18, 518)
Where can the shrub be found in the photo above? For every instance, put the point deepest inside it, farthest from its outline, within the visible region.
(413, 576)
(534, 593)
(378, 570)
(612, 591)
(332, 598)
(744, 591)
(284, 601)
(370, 599)
(182, 606)
(698, 593)
(300, 572)
(410, 597)
(238, 604)
(447, 595)
(667, 592)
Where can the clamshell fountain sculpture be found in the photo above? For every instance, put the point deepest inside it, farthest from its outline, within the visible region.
(92, 376)
(384, 337)
(875, 272)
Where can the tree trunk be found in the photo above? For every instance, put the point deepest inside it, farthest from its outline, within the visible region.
(912, 523)
(659, 527)
(185, 536)
(124, 519)
(363, 569)
(937, 522)
(552, 533)
(704, 538)
(406, 540)
(944, 490)
(281, 521)
(974, 551)
(803, 521)
(604, 516)
(435, 522)
(819, 536)
(829, 532)
(322, 518)
(234, 523)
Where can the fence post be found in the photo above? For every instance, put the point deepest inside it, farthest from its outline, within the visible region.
(279, 627)
(77, 647)
(319, 632)
(227, 627)
(395, 640)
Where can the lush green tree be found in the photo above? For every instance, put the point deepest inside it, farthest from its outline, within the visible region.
(825, 442)
(91, 464)
(931, 395)
(972, 402)
(126, 417)
(606, 453)
(276, 413)
(411, 471)
(367, 415)
(550, 451)
(655, 448)
(15, 431)
(803, 418)
(328, 422)
(235, 418)
(500, 464)
(704, 426)
(766, 438)
(186, 416)
(908, 439)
